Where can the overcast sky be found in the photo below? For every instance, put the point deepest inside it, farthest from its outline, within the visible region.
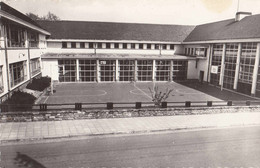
(184, 12)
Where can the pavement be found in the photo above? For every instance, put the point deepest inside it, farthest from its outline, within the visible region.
(23, 131)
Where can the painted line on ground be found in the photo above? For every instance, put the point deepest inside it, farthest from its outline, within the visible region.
(142, 91)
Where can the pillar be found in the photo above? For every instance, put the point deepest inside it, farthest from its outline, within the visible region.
(171, 71)
(221, 78)
(136, 73)
(154, 71)
(77, 69)
(210, 62)
(237, 66)
(117, 71)
(98, 71)
(255, 72)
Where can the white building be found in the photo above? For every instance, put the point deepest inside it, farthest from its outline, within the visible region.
(224, 53)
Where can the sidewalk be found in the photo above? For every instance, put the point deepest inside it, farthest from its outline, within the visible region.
(60, 129)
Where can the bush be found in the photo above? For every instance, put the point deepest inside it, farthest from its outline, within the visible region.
(39, 84)
(20, 101)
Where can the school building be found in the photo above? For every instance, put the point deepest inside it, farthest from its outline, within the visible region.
(224, 53)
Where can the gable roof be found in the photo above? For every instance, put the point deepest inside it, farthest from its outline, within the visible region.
(115, 31)
(247, 28)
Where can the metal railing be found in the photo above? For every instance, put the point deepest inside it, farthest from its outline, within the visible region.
(121, 105)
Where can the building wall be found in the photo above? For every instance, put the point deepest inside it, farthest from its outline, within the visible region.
(50, 68)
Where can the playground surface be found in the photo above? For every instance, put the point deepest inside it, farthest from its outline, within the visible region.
(70, 93)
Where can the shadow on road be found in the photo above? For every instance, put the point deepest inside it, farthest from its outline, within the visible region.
(23, 160)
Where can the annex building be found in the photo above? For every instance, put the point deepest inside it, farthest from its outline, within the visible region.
(224, 53)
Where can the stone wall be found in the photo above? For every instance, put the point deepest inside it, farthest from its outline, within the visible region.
(121, 113)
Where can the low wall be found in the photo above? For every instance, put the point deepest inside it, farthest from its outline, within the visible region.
(119, 113)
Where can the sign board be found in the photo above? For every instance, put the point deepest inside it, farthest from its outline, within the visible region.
(214, 69)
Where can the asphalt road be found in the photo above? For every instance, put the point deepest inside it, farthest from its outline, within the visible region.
(230, 147)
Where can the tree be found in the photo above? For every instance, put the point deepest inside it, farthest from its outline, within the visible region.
(158, 97)
(50, 16)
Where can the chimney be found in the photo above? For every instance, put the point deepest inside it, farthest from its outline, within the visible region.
(241, 15)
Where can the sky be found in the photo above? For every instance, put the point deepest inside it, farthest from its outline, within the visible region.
(180, 12)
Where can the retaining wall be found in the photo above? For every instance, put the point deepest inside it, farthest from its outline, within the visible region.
(118, 113)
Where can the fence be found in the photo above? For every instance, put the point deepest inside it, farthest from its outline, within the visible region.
(114, 105)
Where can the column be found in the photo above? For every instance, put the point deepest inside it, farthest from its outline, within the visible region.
(210, 62)
(237, 66)
(255, 72)
(136, 73)
(171, 70)
(77, 69)
(221, 78)
(98, 71)
(154, 71)
(117, 71)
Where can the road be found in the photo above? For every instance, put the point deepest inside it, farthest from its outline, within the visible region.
(229, 147)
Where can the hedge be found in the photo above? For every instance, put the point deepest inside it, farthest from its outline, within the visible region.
(39, 84)
(20, 101)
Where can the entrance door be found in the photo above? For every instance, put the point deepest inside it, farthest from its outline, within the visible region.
(201, 77)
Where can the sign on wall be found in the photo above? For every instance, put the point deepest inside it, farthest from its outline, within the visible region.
(214, 69)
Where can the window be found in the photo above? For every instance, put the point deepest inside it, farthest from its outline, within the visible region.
(133, 46)
(141, 46)
(15, 36)
(73, 45)
(144, 70)
(87, 70)
(116, 45)
(108, 45)
(107, 70)
(179, 70)
(67, 70)
(18, 73)
(149, 46)
(216, 61)
(64, 45)
(171, 46)
(164, 46)
(126, 70)
(35, 66)
(99, 45)
(90, 45)
(202, 52)
(82, 45)
(1, 80)
(157, 46)
(124, 45)
(33, 38)
(162, 70)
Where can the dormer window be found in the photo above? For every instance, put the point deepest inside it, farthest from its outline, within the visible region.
(73, 45)
(64, 45)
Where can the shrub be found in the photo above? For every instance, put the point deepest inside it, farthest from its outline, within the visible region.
(20, 101)
(39, 84)
(158, 97)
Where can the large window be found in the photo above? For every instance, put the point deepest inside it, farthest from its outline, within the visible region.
(33, 39)
(35, 66)
(179, 70)
(107, 70)
(126, 70)
(15, 36)
(216, 61)
(1, 80)
(145, 70)
(18, 73)
(247, 62)
(230, 65)
(87, 70)
(162, 70)
(202, 52)
(67, 70)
